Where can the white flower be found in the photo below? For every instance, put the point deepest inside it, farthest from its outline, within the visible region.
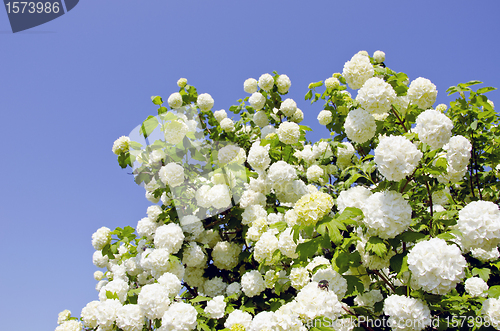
(238, 317)
(252, 283)
(289, 132)
(151, 198)
(479, 223)
(194, 256)
(387, 214)
(265, 320)
(360, 126)
(287, 245)
(175, 131)
(175, 100)
(376, 96)
(379, 56)
(171, 282)
(121, 145)
(288, 107)
(402, 104)
(298, 116)
(315, 173)
(225, 255)
(89, 314)
(260, 118)
(146, 227)
(336, 282)
(435, 266)
(71, 325)
(154, 300)
(231, 153)
(299, 277)
(266, 82)
(281, 172)
(63, 316)
(422, 93)
(312, 207)
(485, 256)
(182, 82)
(283, 83)
(169, 236)
(130, 318)
(227, 125)
(491, 312)
(324, 117)
(216, 307)
(99, 260)
(154, 212)
(250, 85)
(314, 302)
(251, 213)
(106, 313)
(214, 287)
(332, 83)
(257, 100)
(476, 287)
(172, 174)
(353, 197)
(116, 286)
(220, 115)
(357, 71)
(265, 247)
(267, 130)
(101, 238)
(192, 225)
(368, 299)
(396, 157)
(250, 197)
(233, 288)
(433, 128)
(344, 155)
(441, 107)
(407, 314)
(180, 316)
(98, 275)
(205, 101)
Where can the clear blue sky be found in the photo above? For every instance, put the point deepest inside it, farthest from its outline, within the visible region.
(70, 87)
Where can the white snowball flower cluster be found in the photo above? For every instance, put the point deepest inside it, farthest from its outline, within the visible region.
(106, 313)
(231, 154)
(70, 325)
(175, 100)
(257, 100)
(192, 226)
(238, 317)
(205, 101)
(214, 287)
(260, 118)
(220, 115)
(491, 312)
(299, 277)
(407, 314)
(479, 224)
(233, 288)
(396, 157)
(116, 286)
(252, 283)
(283, 83)
(281, 172)
(154, 212)
(376, 96)
(287, 245)
(387, 214)
(422, 93)
(265, 247)
(258, 156)
(360, 126)
(368, 299)
(63, 316)
(436, 267)
(379, 56)
(344, 155)
(332, 83)
(227, 125)
(266, 82)
(288, 107)
(89, 314)
(169, 236)
(101, 238)
(130, 318)
(369, 261)
(194, 256)
(311, 208)
(250, 85)
(357, 71)
(225, 255)
(154, 300)
(476, 287)
(315, 173)
(314, 302)
(485, 256)
(336, 283)
(182, 82)
(121, 145)
(180, 316)
(175, 131)
(433, 128)
(457, 154)
(353, 197)
(267, 130)
(216, 307)
(146, 227)
(172, 174)
(325, 117)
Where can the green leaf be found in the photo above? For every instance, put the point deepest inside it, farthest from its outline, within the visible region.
(494, 291)
(308, 249)
(309, 95)
(135, 145)
(472, 82)
(124, 160)
(410, 236)
(199, 299)
(342, 262)
(148, 126)
(157, 100)
(376, 246)
(485, 89)
(483, 273)
(396, 262)
(111, 295)
(354, 285)
(281, 226)
(162, 110)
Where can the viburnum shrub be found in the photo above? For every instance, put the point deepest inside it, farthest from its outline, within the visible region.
(390, 223)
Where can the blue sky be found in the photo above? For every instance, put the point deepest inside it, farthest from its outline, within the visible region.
(70, 87)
